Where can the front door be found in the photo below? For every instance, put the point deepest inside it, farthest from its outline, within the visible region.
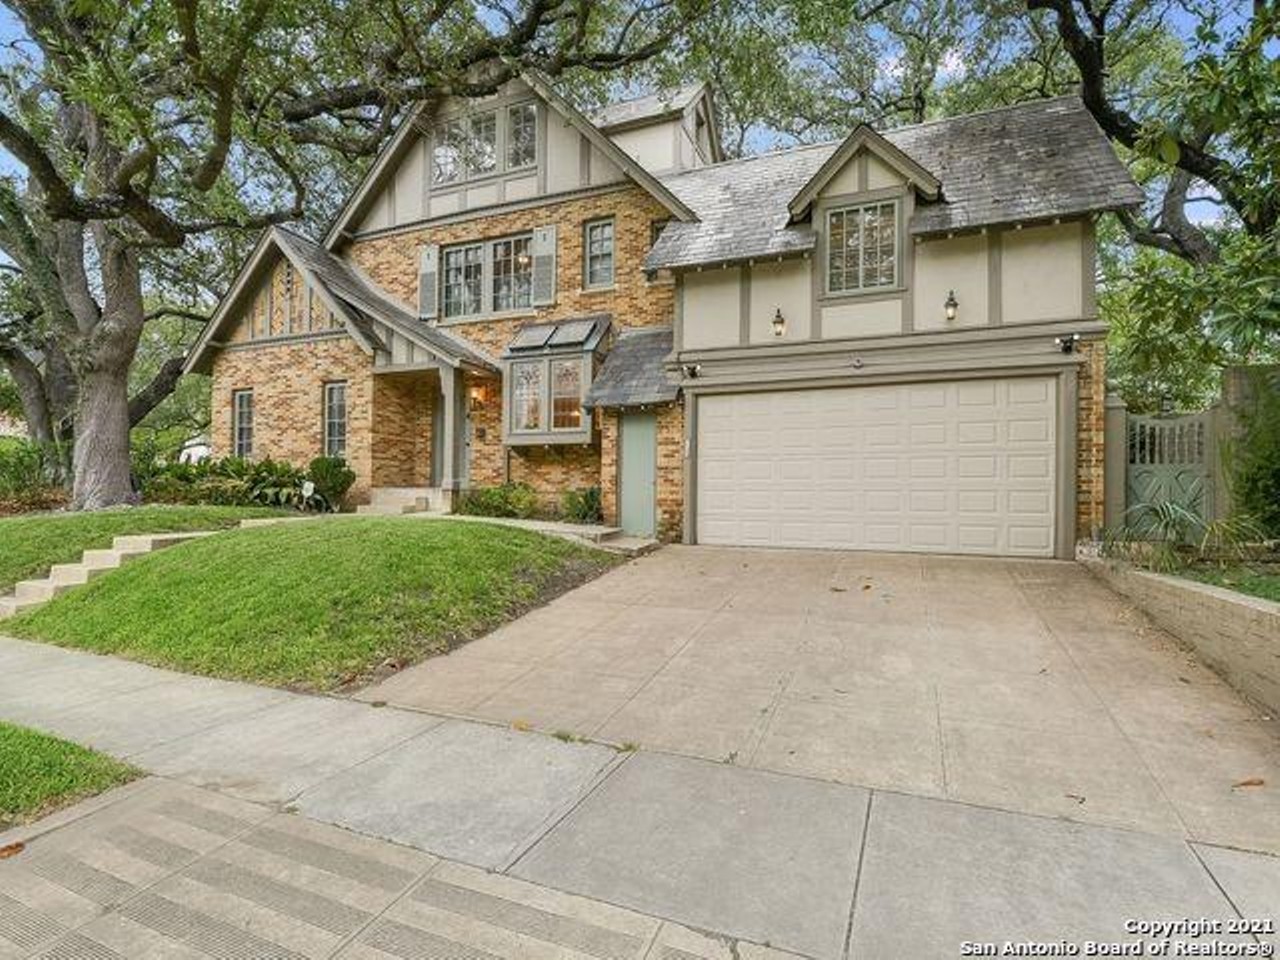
(638, 473)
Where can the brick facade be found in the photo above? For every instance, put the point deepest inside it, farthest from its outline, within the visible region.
(288, 381)
(1091, 415)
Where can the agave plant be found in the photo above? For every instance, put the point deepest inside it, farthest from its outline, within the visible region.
(1166, 536)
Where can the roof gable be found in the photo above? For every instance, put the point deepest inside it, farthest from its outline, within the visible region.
(862, 138)
(418, 120)
(357, 303)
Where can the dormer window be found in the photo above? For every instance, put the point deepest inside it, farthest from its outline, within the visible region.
(862, 247)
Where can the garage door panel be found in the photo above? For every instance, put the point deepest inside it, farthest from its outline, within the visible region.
(963, 466)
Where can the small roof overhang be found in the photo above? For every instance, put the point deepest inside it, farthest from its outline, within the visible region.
(863, 138)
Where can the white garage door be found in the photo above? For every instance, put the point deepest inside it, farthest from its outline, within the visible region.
(953, 467)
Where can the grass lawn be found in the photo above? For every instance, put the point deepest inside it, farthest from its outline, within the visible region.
(314, 605)
(42, 773)
(1261, 581)
(32, 543)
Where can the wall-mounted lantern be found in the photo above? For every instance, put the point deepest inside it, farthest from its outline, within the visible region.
(779, 323)
(476, 397)
(951, 306)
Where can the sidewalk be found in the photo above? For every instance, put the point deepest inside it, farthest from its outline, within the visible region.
(820, 869)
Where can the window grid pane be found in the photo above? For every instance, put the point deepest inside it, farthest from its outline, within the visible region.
(862, 247)
(526, 395)
(566, 394)
(512, 273)
(335, 420)
(463, 280)
(446, 158)
(242, 423)
(600, 253)
(482, 145)
(522, 135)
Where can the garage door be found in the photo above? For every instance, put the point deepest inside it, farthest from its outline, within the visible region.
(953, 467)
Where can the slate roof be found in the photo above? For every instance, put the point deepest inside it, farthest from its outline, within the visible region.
(1029, 162)
(649, 107)
(369, 306)
(634, 373)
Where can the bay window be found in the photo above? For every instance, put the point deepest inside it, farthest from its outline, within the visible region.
(526, 397)
(566, 394)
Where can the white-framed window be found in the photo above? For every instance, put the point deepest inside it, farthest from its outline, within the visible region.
(862, 247)
(512, 272)
(566, 394)
(463, 279)
(526, 396)
(484, 143)
(597, 248)
(335, 419)
(446, 157)
(242, 423)
(522, 135)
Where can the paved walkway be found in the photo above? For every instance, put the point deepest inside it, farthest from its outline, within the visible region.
(823, 870)
(1026, 686)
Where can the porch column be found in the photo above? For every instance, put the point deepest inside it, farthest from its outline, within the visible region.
(451, 395)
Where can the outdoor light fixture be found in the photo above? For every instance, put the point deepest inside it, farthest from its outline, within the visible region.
(476, 397)
(779, 322)
(1067, 344)
(951, 305)
(691, 370)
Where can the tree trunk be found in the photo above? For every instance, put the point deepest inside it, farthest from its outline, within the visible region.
(101, 459)
(35, 404)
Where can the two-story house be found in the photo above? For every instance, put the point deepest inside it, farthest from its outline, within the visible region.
(890, 342)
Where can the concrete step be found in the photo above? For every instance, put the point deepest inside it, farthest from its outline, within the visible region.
(108, 558)
(599, 535)
(147, 542)
(75, 573)
(11, 606)
(629, 546)
(38, 591)
(388, 509)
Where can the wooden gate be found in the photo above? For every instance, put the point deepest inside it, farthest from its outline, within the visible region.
(1171, 459)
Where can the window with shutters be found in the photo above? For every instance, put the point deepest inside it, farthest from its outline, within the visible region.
(463, 280)
(487, 278)
(242, 423)
(512, 273)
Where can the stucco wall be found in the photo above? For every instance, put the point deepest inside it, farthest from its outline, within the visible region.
(712, 308)
(1236, 635)
(1042, 273)
(943, 266)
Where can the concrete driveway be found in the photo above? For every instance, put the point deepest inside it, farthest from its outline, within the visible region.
(1023, 686)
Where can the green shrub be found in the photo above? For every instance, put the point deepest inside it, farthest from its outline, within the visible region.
(234, 482)
(506, 500)
(582, 505)
(31, 475)
(332, 477)
(1254, 458)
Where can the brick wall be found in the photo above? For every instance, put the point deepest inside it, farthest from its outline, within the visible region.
(403, 404)
(288, 380)
(1090, 436)
(391, 261)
